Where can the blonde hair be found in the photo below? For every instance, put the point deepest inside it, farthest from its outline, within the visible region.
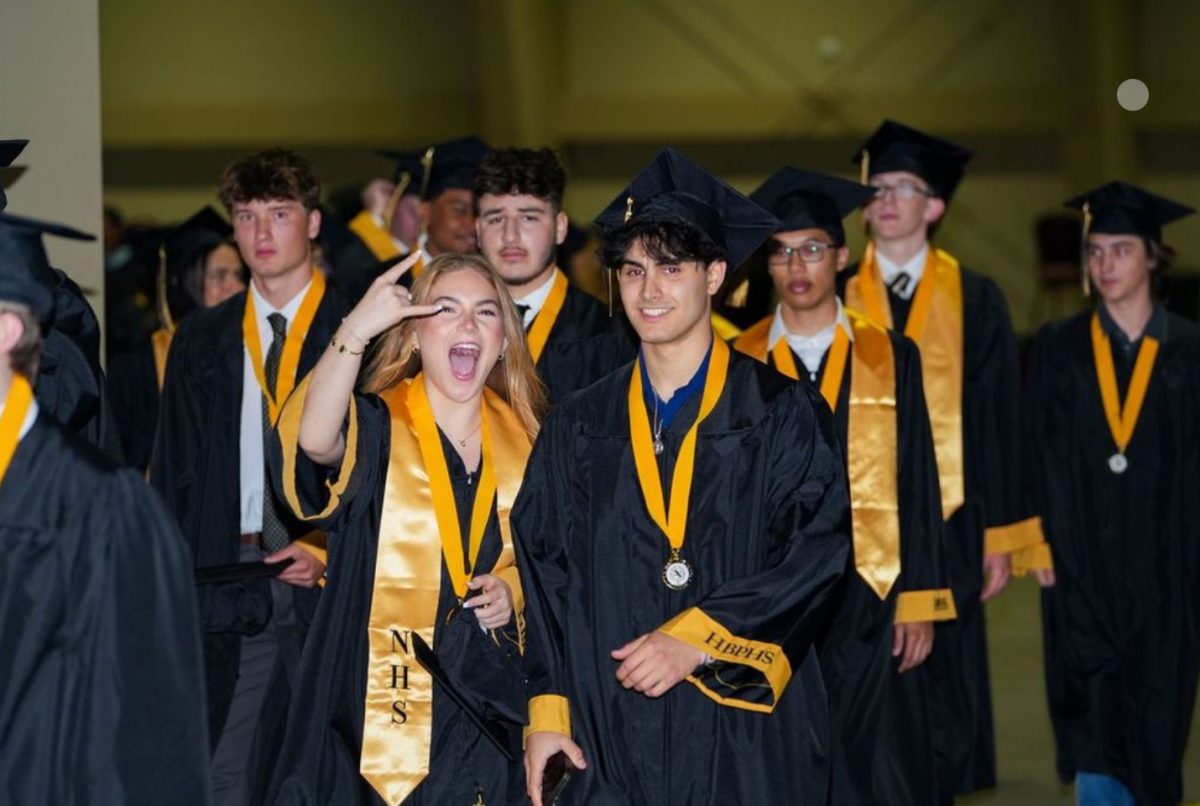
(513, 377)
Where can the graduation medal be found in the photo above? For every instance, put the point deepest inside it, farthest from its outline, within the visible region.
(677, 574)
(1121, 419)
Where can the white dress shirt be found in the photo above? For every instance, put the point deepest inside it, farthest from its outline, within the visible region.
(536, 299)
(811, 349)
(914, 268)
(252, 460)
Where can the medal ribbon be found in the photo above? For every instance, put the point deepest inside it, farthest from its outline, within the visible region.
(1122, 420)
(543, 323)
(290, 359)
(16, 406)
(935, 323)
(413, 544)
(674, 524)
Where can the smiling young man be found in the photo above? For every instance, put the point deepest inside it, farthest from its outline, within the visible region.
(1114, 404)
(229, 370)
(959, 321)
(572, 339)
(882, 628)
(679, 532)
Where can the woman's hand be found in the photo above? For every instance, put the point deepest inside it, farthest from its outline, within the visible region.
(385, 304)
(494, 605)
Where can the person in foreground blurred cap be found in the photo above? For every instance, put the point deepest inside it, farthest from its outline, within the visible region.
(572, 339)
(959, 321)
(883, 624)
(199, 267)
(1114, 402)
(101, 674)
(668, 654)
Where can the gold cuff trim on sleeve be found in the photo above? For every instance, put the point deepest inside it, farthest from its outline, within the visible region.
(1032, 558)
(289, 436)
(697, 629)
(925, 605)
(550, 713)
(1013, 537)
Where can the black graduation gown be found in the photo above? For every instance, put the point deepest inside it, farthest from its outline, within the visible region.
(879, 719)
(767, 541)
(101, 697)
(71, 384)
(1120, 626)
(196, 467)
(319, 760)
(133, 389)
(993, 463)
(584, 345)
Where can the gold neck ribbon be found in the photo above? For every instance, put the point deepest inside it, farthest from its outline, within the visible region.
(871, 438)
(160, 341)
(290, 360)
(543, 323)
(674, 523)
(16, 406)
(416, 536)
(1122, 420)
(376, 238)
(935, 323)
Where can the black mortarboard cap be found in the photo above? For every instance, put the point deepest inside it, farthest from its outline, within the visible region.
(25, 272)
(442, 166)
(9, 150)
(1120, 208)
(803, 199)
(896, 147)
(673, 189)
(409, 172)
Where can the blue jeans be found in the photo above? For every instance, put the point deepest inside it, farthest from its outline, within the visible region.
(1094, 789)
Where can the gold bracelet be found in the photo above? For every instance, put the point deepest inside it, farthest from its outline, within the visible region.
(342, 348)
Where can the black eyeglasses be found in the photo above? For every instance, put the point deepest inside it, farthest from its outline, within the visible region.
(904, 189)
(809, 252)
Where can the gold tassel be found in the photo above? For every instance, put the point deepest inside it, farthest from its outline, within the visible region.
(426, 169)
(865, 167)
(389, 209)
(1087, 226)
(628, 208)
(164, 309)
(608, 273)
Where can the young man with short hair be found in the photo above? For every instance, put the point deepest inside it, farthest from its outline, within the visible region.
(100, 687)
(882, 628)
(959, 321)
(680, 531)
(520, 222)
(229, 370)
(1114, 406)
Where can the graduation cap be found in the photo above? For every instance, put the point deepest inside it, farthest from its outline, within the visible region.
(25, 272)
(896, 147)
(9, 151)
(409, 172)
(673, 189)
(803, 199)
(440, 167)
(178, 252)
(1120, 208)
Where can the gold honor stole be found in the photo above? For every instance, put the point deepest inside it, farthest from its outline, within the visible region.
(16, 406)
(289, 361)
(935, 323)
(871, 449)
(419, 527)
(543, 323)
(375, 237)
(160, 341)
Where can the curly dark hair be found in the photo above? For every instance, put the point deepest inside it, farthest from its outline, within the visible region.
(276, 173)
(665, 241)
(521, 172)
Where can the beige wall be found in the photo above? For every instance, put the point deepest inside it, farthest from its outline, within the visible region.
(50, 94)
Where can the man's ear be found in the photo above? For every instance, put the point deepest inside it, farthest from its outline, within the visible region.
(561, 222)
(843, 257)
(12, 330)
(935, 208)
(716, 276)
(314, 223)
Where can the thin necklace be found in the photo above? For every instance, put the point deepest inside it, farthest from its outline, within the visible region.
(658, 427)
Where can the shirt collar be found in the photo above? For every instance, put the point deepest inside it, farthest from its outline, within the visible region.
(669, 409)
(1156, 328)
(914, 267)
(780, 331)
(534, 300)
(264, 309)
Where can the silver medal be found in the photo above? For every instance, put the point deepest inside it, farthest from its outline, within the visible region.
(677, 573)
(658, 446)
(1117, 463)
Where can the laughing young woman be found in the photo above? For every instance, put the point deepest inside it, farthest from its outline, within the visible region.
(413, 477)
